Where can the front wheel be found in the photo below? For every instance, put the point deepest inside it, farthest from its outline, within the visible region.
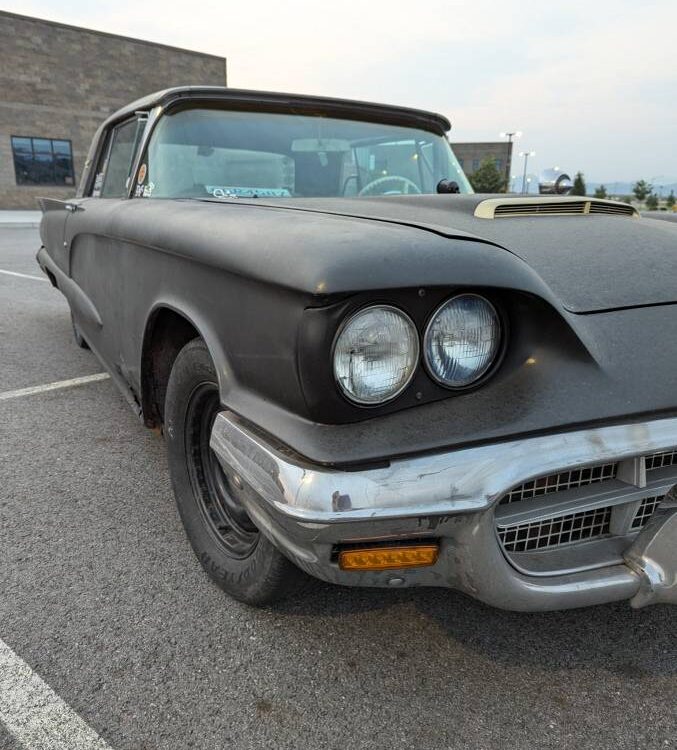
(231, 549)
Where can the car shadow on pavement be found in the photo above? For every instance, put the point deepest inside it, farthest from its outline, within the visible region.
(631, 643)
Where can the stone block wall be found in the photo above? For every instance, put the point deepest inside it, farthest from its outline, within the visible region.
(60, 82)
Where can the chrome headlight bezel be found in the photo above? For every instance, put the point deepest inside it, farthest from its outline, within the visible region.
(488, 370)
(415, 357)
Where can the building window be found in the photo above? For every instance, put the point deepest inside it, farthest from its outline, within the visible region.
(42, 161)
(475, 165)
(499, 164)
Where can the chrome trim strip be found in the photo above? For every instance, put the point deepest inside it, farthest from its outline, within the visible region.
(459, 481)
(152, 118)
(578, 558)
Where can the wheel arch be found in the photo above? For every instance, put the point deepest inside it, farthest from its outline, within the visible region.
(169, 327)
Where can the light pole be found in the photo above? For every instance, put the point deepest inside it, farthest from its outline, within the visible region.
(526, 155)
(509, 136)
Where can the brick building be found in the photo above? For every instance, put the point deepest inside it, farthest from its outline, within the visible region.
(58, 82)
(471, 155)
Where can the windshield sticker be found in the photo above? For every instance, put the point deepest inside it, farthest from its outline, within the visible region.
(231, 191)
(98, 182)
(144, 191)
(142, 174)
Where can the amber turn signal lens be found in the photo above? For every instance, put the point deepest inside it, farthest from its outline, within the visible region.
(385, 558)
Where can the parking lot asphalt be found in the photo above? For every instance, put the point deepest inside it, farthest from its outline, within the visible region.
(101, 596)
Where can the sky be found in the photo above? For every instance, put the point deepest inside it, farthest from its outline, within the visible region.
(592, 84)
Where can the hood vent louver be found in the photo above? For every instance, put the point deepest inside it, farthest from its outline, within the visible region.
(620, 209)
(497, 208)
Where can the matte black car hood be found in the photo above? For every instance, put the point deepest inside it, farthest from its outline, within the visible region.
(590, 262)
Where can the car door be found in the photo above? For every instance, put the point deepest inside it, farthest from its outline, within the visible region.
(93, 263)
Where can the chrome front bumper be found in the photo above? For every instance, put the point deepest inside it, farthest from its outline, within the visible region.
(307, 510)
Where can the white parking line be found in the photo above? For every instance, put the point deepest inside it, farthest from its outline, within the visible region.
(54, 386)
(23, 275)
(35, 715)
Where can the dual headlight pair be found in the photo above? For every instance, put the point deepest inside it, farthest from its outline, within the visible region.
(376, 351)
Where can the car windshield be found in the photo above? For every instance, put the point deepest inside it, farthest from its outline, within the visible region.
(223, 154)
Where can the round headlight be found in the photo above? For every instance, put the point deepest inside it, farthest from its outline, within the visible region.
(375, 354)
(462, 340)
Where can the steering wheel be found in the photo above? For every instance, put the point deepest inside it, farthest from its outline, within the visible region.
(407, 186)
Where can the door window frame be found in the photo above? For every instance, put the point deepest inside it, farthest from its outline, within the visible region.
(98, 177)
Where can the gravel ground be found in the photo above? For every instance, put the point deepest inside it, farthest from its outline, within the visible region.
(102, 596)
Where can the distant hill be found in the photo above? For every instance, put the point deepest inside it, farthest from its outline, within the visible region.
(612, 188)
(625, 188)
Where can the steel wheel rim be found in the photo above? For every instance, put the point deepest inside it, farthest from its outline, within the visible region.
(224, 516)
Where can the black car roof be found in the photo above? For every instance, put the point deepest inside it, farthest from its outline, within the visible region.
(282, 102)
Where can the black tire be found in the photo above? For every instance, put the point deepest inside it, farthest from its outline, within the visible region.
(79, 338)
(241, 560)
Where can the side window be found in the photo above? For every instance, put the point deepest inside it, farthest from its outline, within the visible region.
(112, 176)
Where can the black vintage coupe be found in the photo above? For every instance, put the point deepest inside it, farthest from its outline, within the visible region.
(367, 373)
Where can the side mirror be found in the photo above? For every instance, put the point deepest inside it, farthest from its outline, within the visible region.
(448, 186)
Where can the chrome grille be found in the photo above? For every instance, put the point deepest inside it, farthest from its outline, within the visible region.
(659, 460)
(554, 532)
(603, 502)
(645, 511)
(564, 480)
